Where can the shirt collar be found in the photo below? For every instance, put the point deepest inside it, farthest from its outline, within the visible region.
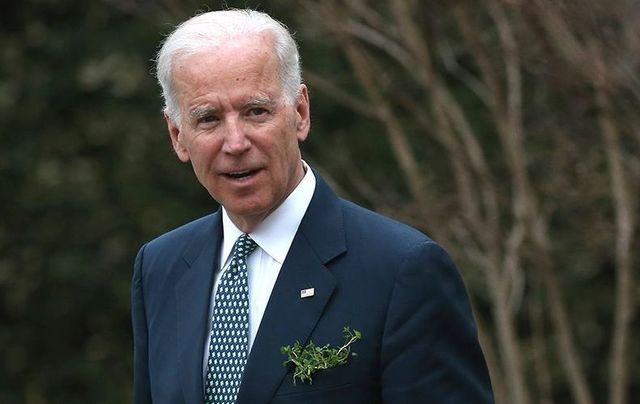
(275, 234)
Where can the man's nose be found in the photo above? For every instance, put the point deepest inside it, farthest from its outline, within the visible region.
(235, 138)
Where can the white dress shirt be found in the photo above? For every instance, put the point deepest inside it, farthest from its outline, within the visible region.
(274, 237)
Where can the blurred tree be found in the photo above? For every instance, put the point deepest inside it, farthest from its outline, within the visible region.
(513, 128)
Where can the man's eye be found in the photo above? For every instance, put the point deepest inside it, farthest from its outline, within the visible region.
(207, 119)
(257, 111)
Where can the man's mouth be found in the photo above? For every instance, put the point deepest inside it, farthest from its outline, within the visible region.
(240, 175)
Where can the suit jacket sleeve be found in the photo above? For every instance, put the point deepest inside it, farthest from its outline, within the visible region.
(142, 392)
(430, 351)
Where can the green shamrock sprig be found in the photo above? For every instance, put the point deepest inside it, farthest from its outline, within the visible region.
(310, 358)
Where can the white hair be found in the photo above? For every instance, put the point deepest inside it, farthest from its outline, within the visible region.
(208, 31)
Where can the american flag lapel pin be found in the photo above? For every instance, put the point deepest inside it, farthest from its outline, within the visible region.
(309, 292)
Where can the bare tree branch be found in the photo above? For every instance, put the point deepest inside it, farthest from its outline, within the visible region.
(625, 228)
(330, 88)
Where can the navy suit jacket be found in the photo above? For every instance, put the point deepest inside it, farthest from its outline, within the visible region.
(391, 282)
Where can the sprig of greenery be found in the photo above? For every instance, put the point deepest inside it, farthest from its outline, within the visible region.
(311, 358)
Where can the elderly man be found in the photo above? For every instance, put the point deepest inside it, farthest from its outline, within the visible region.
(284, 260)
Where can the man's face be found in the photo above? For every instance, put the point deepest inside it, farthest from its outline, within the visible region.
(237, 130)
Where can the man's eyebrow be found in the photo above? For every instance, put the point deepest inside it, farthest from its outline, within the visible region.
(259, 102)
(200, 112)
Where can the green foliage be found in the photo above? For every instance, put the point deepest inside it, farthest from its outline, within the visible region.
(311, 358)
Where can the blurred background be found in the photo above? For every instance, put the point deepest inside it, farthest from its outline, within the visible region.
(508, 130)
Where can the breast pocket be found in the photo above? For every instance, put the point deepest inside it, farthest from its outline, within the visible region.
(326, 379)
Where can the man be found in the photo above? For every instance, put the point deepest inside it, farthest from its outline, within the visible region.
(284, 260)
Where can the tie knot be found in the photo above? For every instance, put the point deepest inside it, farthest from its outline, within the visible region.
(244, 246)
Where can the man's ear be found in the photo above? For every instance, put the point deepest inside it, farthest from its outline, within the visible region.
(177, 139)
(303, 115)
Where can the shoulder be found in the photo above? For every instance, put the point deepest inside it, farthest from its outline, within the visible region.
(374, 229)
(179, 238)
(390, 248)
(370, 238)
(185, 231)
(160, 255)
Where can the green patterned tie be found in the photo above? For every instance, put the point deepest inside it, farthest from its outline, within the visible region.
(230, 328)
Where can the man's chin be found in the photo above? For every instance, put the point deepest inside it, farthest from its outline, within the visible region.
(246, 215)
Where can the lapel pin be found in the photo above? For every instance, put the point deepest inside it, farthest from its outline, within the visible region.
(307, 293)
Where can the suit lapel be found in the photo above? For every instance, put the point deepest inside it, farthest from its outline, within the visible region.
(288, 317)
(193, 294)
